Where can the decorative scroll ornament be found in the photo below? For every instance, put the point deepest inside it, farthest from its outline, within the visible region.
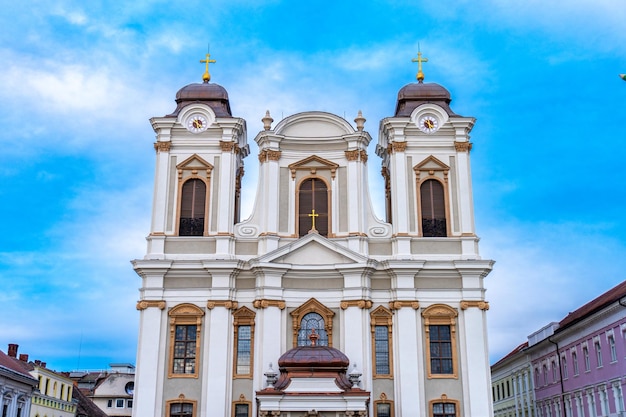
(356, 155)
(162, 146)
(269, 303)
(230, 305)
(142, 305)
(396, 147)
(398, 304)
(482, 305)
(229, 146)
(356, 303)
(269, 155)
(463, 146)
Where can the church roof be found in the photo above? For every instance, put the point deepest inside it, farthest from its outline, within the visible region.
(313, 357)
(213, 95)
(414, 95)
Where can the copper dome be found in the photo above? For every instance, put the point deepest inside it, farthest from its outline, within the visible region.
(213, 95)
(414, 95)
(313, 357)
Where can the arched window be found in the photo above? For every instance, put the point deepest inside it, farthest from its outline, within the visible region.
(313, 207)
(309, 322)
(192, 208)
(433, 209)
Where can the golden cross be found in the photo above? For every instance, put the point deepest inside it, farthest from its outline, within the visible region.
(419, 60)
(313, 216)
(206, 77)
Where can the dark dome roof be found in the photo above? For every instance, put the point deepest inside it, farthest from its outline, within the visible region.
(313, 357)
(414, 95)
(213, 95)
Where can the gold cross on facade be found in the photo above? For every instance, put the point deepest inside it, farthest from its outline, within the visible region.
(313, 216)
(206, 77)
(419, 60)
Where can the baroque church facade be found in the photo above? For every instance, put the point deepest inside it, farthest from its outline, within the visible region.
(312, 306)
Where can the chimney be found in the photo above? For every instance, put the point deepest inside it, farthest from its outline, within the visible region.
(12, 350)
(23, 357)
(37, 362)
(43, 364)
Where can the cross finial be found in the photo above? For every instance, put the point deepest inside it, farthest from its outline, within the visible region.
(206, 77)
(419, 60)
(313, 215)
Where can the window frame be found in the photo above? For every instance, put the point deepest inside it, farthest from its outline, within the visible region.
(119, 401)
(598, 349)
(243, 317)
(443, 400)
(328, 204)
(575, 363)
(382, 316)
(612, 348)
(586, 359)
(194, 167)
(312, 306)
(422, 202)
(432, 168)
(180, 400)
(241, 401)
(383, 400)
(184, 315)
(441, 315)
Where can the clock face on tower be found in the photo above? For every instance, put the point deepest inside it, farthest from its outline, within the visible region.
(197, 123)
(428, 124)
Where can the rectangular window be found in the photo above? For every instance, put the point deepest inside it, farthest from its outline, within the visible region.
(564, 364)
(612, 348)
(119, 403)
(598, 354)
(444, 410)
(244, 342)
(575, 362)
(383, 410)
(242, 410)
(129, 403)
(586, 358)
(181, 410)
(381, 346)
(440, 350)
(185, 350)
(109, 403)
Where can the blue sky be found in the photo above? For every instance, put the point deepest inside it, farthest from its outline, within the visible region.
(79, 81)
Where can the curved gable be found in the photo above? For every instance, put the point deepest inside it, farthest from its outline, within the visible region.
(313, 125)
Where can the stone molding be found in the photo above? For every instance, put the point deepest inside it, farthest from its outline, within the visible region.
(398, 304)
(230, 305)
(483, 305)
(143, 304)
(264, 303)
(356, 155)
(229, 146)
(462, 146)
(269, 155)
(362, 304)
(396, 147)
(162, 146)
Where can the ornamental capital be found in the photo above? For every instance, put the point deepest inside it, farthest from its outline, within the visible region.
(229, 146)
(264, 303)
(143, 304)
(162, 146)
(228, 304)
(463, 146)
(362, 304)
(482, 305)
(396, 147)
(269, 155)
(398, 304)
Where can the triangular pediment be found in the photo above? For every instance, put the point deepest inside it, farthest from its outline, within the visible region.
(194, 162)
(313, 249)
(313, 161)
(431, 163)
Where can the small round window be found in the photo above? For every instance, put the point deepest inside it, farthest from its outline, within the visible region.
(130, 388)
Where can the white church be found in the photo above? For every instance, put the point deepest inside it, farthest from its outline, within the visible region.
(313, 306)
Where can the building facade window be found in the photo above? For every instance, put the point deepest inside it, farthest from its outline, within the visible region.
(598, 354)
(244, 342)
(312, 316)
(241, 408)
(575, 363)
(586, 359)
(381, 320)
(383, 407)
(185, 329)
(433, 209)
(564, 364)
(612, 349)
(180, 407)
(313, 208)
(192, 208)
(440, 332)
(444, 407)
(119, 403)
(554, 372)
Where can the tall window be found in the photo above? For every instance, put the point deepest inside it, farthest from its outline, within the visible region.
(312, 321)
(192, 208)
(586, 358)
(244, 341)
(313, 207)
(554, 372)
(575, 362)
(433, 209)
(381, 320)
(598, 354)
(612, 348)
(564, 364)
(185, 329)
(312, 315)
(440, 328)
(383, 407)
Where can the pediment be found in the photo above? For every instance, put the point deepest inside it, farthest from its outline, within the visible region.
(313, 249)
(313, 161)
(431, 164)
(313, 125)
(194, 162)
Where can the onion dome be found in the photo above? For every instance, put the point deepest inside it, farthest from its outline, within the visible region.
(414, 95)
(213, 95)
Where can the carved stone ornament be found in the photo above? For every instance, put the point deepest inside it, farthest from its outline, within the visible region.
(162, 146)
(356, 303)
(269, 155)
(398, 304)
(142, 305)
(229, 146)
(230, 305)
(356, 155)
(482, 305)
(396, 147)
(269, 303)
(462, 146)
